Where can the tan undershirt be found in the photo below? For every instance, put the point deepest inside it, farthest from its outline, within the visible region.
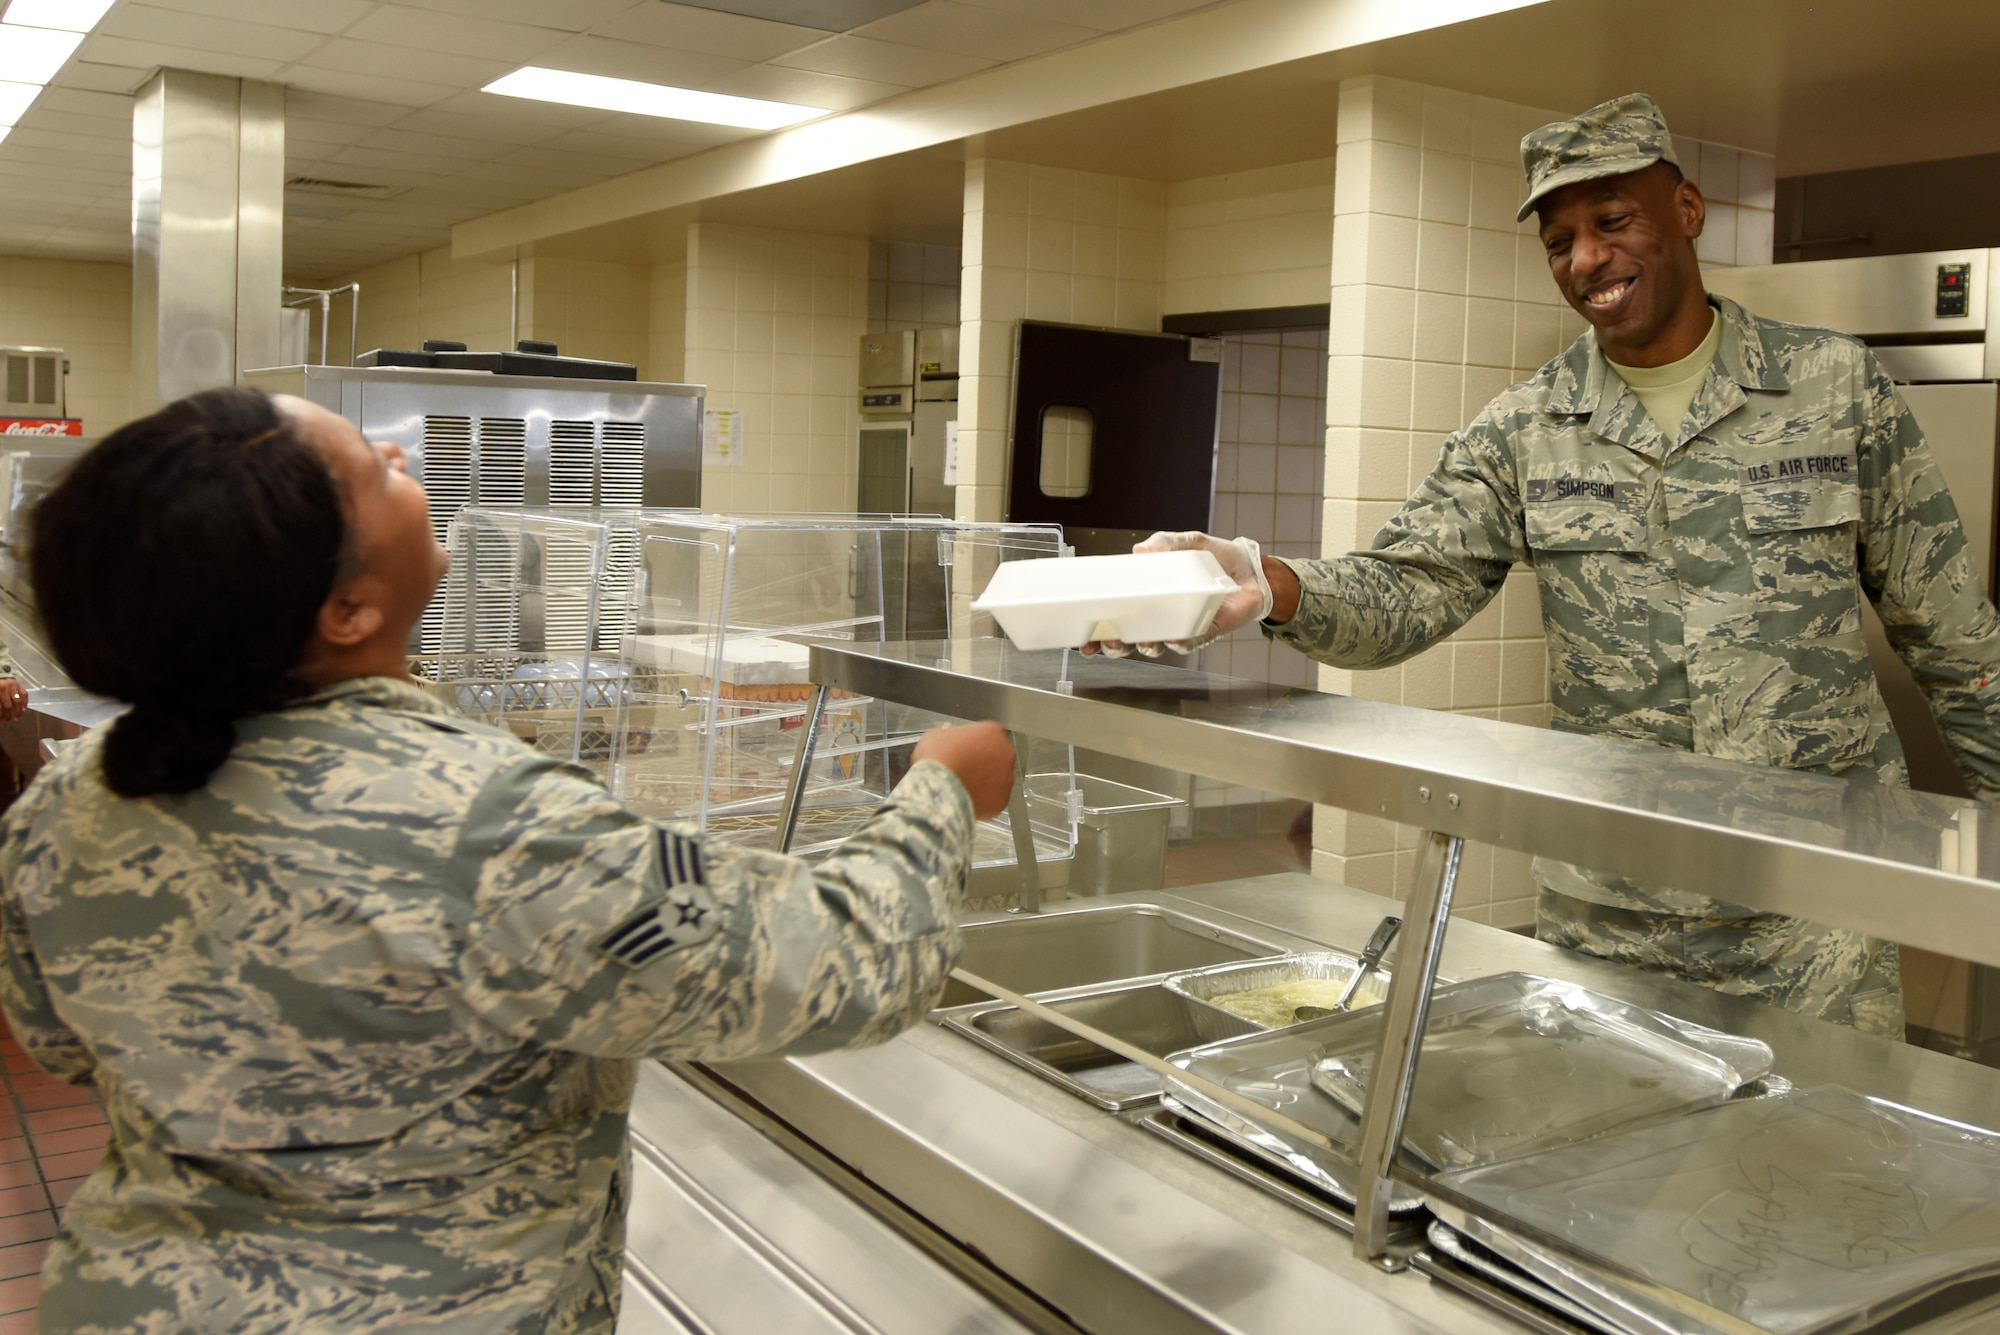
(1666, 391)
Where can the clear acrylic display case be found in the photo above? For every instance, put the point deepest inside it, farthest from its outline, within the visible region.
(652, 646)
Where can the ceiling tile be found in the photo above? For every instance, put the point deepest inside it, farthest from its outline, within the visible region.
(883, 62)
(114, 128)
(85, 102)
(1104, 15)
(398, 140)
(230, 37)
(942, 25)
(380, 60)
(567, 15)
(520, 114)
(309, 130)
(148, 55)
(430, 30)
(322, 16)
(339, 109)
(806, 88)
(828, 15)
(102, 76)
(638, 60)
(366, 87)
(686, 28)
(372, 168)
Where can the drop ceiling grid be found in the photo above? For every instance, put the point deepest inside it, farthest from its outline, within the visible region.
(387, 92)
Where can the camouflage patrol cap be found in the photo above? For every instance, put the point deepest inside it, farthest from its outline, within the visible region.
(1611, 139)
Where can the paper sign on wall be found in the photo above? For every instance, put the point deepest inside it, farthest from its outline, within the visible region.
(951, 454)
(722, 437)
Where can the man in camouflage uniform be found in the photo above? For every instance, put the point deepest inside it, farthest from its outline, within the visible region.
(1701, 577)
(364, 1011)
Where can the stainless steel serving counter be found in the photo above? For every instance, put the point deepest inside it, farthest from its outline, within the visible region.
(1114, 1229)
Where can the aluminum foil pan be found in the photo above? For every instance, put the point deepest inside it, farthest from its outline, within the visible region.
(1820, 1212)
(1516, 1063)
(1468, 1255)
(1334, 1176)
(1328, 968)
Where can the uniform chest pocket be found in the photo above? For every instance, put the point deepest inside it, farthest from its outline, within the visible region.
(1584, 526)
(1801, 538)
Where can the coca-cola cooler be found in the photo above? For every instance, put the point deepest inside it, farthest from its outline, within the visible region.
(36, 383)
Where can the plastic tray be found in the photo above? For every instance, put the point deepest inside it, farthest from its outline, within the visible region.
(1818, 1212)
(1216, 1023)
(1138, 598)
(1517, 1063)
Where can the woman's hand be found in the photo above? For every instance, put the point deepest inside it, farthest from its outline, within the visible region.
(982, 758)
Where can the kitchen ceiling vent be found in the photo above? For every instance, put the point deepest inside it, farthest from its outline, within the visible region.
(826, 15)
(319, 185)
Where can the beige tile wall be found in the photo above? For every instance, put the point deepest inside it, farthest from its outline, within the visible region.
(1741, 187)
(912, 286)
(431, 295)
(86, 310)
(666, 355)
(774, 321)
(587, 308)
(1440, 300)
(1043, 243)
(1250, 240)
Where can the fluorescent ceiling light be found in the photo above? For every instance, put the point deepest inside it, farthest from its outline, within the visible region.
(34, 55)
(65, 15)
(648, 99)
(14, 100)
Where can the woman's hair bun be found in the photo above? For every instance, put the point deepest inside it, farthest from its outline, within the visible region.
(151, 752)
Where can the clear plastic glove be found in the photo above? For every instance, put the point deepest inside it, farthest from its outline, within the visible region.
(1240, 558)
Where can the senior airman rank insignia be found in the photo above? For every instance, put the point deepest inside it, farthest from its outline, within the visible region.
(684, 916)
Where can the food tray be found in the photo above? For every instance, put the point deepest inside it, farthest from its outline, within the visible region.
(1138, 598)
(1469, 1256)
(1818, 1212)
(1329, 1174)
(1218, 1023)
(1516, 1063)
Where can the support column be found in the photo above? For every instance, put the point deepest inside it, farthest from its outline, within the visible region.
(208, 181)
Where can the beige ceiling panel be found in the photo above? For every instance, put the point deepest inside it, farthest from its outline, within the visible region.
(314, 105)
(396, 139)
(637, 138)
(395, 62)
(375, 168)
(806, 88)
(76, 147)
(567, 15)
(944, 25)
(883, 62)
(499, 114)
(69, 122)
(542, 174)
(85, 102)
(639, 60)
(231, 37)
(312, 130)
(322, 16)
(366, 87)
(148, 55)
(685, 28)
(429, 30)
(102, 77)
(1105, 15)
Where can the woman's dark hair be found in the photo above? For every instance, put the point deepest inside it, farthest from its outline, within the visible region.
(180, 567)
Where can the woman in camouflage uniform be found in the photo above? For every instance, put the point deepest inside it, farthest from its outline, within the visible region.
(362, 983)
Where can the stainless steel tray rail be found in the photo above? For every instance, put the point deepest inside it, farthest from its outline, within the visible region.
(1887, 861)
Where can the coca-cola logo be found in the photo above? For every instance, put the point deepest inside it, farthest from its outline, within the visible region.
(40, 426)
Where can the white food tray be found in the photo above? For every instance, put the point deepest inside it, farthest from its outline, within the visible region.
(1140, 598)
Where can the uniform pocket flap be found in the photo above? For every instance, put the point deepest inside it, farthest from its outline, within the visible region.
(1809, 502)
(1584, 526)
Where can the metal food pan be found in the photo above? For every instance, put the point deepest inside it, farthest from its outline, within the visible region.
(1200, 986)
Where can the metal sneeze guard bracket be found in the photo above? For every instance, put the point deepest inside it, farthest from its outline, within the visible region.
(1887, 861)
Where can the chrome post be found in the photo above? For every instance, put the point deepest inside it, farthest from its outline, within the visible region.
(1403, 1014)
(1024, 837)
(795, 790)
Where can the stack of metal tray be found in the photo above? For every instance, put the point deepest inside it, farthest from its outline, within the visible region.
(1812, 1212)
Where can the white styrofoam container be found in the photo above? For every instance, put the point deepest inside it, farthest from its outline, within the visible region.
(1140, 598)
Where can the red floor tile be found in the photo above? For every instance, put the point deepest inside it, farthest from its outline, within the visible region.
(57, 1095)
(27, 1228)
(18, 1323)
(20, 1200)
(62, 1119)
(75, 1163)
(60, 1192)
(22, 1259)
(20, 1173)
(19, 1295)
(18, 1061)
(15, 1149)
(72, 1140)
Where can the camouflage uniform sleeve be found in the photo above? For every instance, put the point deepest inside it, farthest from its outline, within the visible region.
(1920, 572)
(600, 932)
(23, 994)
(1436, 562)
